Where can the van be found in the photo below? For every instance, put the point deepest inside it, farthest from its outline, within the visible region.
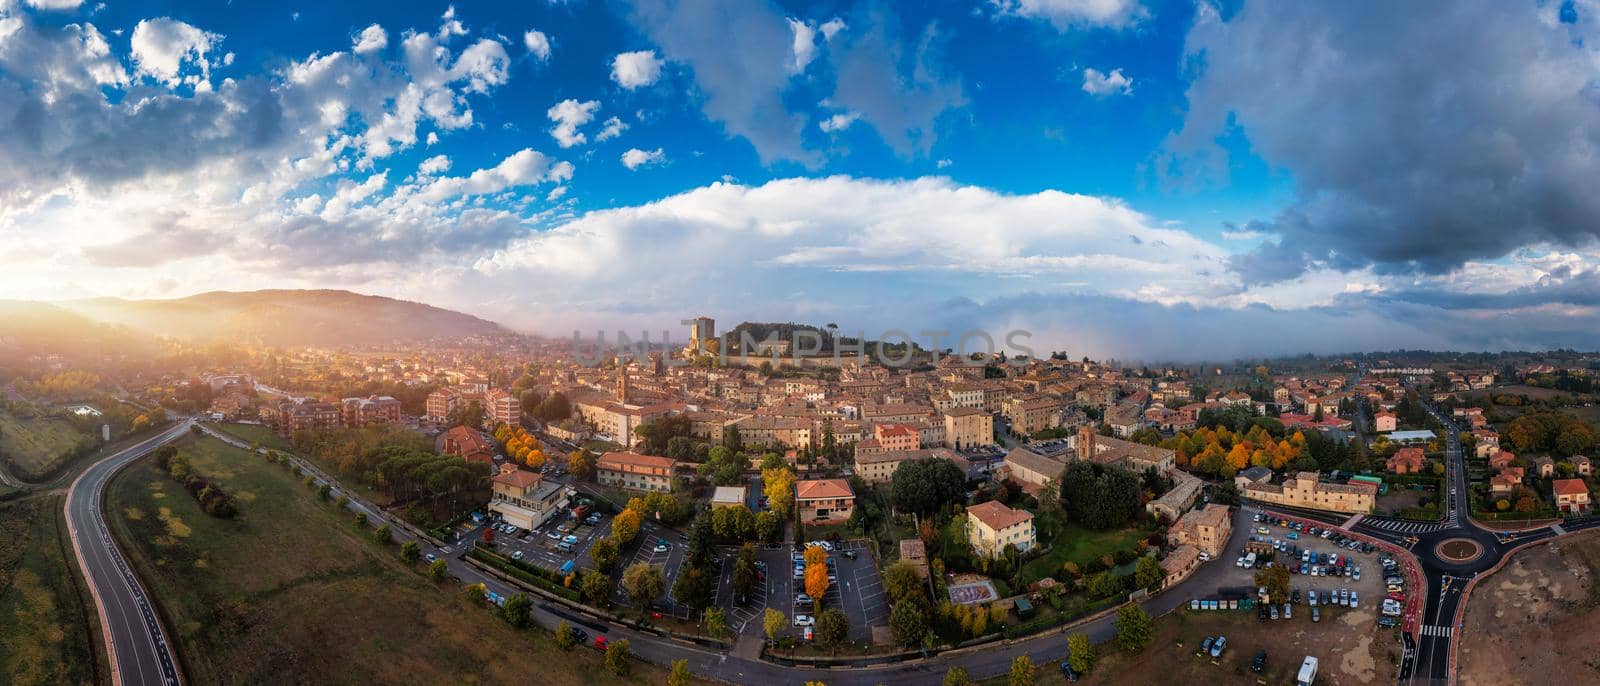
(567, 567)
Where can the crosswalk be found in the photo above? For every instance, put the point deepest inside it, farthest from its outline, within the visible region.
(1404, 527)
(1436, 631)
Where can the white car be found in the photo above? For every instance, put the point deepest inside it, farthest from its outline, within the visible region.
(803, 620)
(1205, 557)
(802, 598)
(515, 556)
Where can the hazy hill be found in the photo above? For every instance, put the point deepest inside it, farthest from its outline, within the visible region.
(30, 328)
(288, 318)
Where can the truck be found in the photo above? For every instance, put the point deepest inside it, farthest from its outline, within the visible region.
(1308, 672)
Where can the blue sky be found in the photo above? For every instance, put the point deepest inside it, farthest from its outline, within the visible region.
(1281, 178)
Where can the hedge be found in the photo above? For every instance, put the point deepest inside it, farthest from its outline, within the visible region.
(538, 576)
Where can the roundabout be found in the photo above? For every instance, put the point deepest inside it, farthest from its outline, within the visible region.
(1458, 550)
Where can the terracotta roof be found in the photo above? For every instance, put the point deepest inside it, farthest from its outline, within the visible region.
(1569, 487)
(822, 488)
(635, 459)
(997, 516)
(518, 479)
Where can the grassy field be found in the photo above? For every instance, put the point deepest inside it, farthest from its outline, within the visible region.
(35, 445)
(45, 631)
(1079, 545)
(289, 591)
(256, 433)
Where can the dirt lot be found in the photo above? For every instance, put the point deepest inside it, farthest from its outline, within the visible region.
(1351, 649)
(1535, 620)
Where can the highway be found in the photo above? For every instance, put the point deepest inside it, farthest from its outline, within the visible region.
(140, 652)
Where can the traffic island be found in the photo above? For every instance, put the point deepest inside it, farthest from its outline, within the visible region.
(1458, 550)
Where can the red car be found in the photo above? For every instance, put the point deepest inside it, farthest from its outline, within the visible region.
(1397, 597)
(600, 642)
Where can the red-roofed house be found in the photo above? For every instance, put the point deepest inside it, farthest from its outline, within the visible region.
(824, 501)
(991, 526)
(1407, 461)
(1572, 496)
(1383, 422)
(635, 471)
(467, 444)
(1501, 459)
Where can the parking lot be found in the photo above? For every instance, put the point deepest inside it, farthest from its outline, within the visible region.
(1318, 563)
(647, 549)
(857, 590)
(541, 546)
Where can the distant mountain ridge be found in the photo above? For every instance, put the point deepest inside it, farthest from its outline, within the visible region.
(287, 318)
(29, 327)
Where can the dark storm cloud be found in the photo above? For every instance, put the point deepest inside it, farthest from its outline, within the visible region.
(1419, 135)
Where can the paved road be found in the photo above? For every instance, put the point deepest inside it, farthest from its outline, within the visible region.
(139, 649)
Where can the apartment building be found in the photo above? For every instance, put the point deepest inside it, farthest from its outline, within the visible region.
(636, 472)
(1030, 414)
(991, 526)
(878, 466)
(502, 407)
(374, 409)
(288, 417)
(441, 403)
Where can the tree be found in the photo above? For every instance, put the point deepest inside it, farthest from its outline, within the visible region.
(1103, 584)
(695, 587)
(907, 623)
(1098, 496)
(816, 575)
(1134, 628)
(324, 491)
(833, 628)
(566, 638)
(767, 526)
(595, 587)
(643, 583)
(518, 611)
(956, 676)
(617, 657)
(625, 527)
(410, 552)
(383, 534)
(735, 523)
(1080, 653)
(476, 593)
(1276, 580)
(680, 674)
(1022, 671)
(744, 571)
(605, 554)
(772, 622)
(716, 620)
(581, 463)
(778, 486)
(924, 486)
(1148, 574)
(901, 582)
(470, 415)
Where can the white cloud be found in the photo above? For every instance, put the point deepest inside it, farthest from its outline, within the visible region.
(537, 43)
(1096, 82)
(450, 27)
(839, 122)
(569, 115)
(523, 168)
(805, 45)
(636, 69)
(433, 137)
(54, 4)
(635, 158)
(162, 46)
(1070, 14)
(434, 165)
(1242, 235)
(943, 163)
(371, 39)
(612, 128)
(832, 27)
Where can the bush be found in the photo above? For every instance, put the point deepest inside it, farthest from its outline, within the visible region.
(617, 657)
(383, 535)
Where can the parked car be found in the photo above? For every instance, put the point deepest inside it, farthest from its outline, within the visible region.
(803, 620)
(1273, 610)
(802, 598)
(1354, 602)
(1288, 611)
(1311, 598)
(1218, 645)
(515, 556)
(1316, 614)
(1067, 672)
(1259, 663)
(662, 546)
(1205, 646)
(431, 558)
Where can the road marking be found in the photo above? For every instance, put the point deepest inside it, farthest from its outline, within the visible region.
(1436, 631)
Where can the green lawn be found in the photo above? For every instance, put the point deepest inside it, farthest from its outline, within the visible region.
(289, 591)
(34, 445)
(1079, 545)
(45, 631)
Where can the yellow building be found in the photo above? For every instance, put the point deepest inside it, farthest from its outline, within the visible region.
(635, 471)
(1304, 490)
(524, 499)
(1207, 528)
(965, 427)
(992, 526)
